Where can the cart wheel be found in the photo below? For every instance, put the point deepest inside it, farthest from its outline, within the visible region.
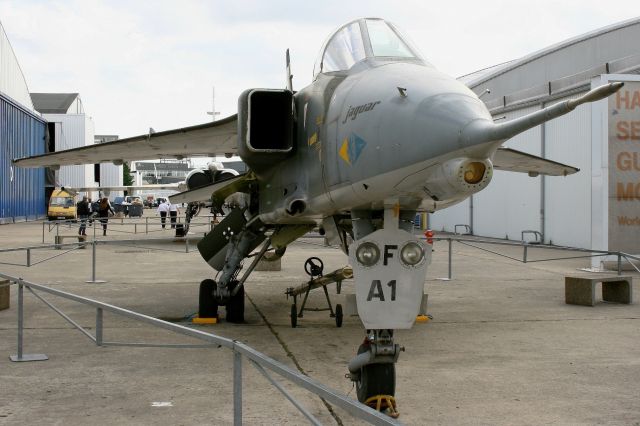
(338, 315)
(294, 316)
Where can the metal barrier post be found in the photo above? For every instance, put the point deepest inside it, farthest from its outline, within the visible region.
(146, 225)
(20, 357)
(186, 244)
(135, 228)
(237, 388)
(43, 222)
(93, 264)
(99, 326)
(450, 256)
(619, 264)
(524, 255)
(20, 319)
(28, 257)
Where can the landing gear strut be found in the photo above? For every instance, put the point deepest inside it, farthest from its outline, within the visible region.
(229, 290)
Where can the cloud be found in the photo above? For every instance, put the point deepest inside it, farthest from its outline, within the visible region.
(139, 64)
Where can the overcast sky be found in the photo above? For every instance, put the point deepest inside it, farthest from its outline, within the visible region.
(153, 64)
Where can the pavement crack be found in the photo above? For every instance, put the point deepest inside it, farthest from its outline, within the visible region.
(292, 357)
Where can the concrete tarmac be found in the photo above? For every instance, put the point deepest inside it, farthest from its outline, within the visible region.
(502, 348)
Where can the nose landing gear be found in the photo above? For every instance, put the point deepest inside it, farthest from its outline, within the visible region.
(374, 373)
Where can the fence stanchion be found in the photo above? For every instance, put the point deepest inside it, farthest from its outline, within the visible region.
(619, 264)
(450, 256)
(237, 388)
(21, 357)
(99, 326)
(93, 264)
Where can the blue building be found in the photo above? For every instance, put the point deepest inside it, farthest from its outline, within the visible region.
(22, 133)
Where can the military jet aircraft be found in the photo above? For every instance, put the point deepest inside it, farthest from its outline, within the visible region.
(379, 135)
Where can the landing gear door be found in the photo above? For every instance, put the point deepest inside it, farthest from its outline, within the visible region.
(389, 267)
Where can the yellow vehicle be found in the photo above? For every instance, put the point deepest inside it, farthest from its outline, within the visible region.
(62, 205)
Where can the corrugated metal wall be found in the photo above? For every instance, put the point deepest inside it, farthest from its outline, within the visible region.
(568, 199)
(22, 195)
(12, 82)
(511, 203)
(72, 131)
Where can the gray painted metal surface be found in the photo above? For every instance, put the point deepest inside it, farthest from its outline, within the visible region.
(21, 190)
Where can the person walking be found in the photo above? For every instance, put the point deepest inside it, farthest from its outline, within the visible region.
(83, 214)
(173, 212)
(103, 212)
(163, 209)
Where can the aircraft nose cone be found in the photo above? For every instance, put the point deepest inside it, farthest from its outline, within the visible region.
(446, 118)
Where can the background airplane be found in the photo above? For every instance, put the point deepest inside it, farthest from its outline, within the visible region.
(379, 135)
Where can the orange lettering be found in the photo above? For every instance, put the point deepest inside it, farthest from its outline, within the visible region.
(628, 130)
(627, 100)
(623, 161)
(627, 192)
(623, 130)
(635, 130)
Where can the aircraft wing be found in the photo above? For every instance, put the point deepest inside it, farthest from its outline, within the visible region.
(209, 139)
(517, 161)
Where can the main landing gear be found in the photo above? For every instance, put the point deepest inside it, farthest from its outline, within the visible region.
(208, 304)
(228, 291)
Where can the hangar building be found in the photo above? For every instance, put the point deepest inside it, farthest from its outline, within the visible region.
(70, 127)
(598, 207)
(22, 133)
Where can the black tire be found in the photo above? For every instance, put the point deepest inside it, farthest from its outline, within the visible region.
(375, 379)
(207, 306)
(235, 306)
(294, 316)
(339, 315)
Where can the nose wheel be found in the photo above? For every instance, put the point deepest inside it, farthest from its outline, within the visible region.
(375, 379)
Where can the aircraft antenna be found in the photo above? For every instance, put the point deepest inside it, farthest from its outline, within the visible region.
(290, 84)
(289, 75)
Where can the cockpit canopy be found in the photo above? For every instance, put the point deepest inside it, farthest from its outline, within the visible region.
(360, 39)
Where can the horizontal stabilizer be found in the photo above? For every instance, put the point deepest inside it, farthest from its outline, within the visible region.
(204, 193)
(517, 161)
(129, 188)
